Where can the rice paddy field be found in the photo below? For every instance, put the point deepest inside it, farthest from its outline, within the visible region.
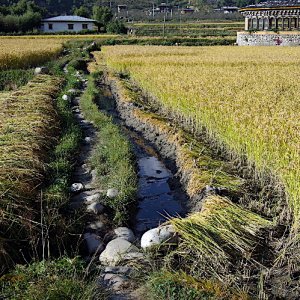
(30, 51)
(194, 29)
(245, 98)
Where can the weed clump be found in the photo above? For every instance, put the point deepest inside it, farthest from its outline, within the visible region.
(63, 278)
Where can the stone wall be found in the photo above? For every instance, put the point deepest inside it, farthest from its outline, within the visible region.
(268, 39)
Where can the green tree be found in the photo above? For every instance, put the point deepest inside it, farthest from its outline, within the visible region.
(82, 11)
(116, 27)
(102, 15)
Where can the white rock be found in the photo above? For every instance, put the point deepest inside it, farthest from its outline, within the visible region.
(65, 97)
(115, 252)
(133, 256)
(77, 187)
(87, 140)
(41, 70)
(93, 242)
(98, 225)
(125, 234)
(157, 236)
(95, 208)
(92, 198)
(112, 193)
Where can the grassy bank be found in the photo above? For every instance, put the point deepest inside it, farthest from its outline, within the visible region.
(112, 157)
(63, 278)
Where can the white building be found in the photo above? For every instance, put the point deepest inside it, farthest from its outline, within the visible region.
(67, 23)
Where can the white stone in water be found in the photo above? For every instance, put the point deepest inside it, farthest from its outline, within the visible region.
(116, 251)
(93, 198)
(158, 236)
(87, 140)
(94, 243)
(125, 233)
(41, 70)
(95, 208)
(77, 187)
(112, 193)
(65, 97)
(98, 225)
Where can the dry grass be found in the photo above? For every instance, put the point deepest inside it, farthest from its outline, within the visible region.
(28, 125)
(220, 236)
(28, 122)
(246, 98)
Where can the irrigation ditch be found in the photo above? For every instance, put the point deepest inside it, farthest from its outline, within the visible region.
(165, 161)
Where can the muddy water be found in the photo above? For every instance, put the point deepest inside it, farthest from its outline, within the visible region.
(159, 192)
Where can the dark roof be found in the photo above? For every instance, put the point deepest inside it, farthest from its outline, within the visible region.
(276, 3)
(68, 19)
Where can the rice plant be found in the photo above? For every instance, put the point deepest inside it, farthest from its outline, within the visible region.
(28, 128)
(245, 98)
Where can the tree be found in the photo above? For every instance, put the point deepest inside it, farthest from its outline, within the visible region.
(116, 27)
(82, 11)
(102, 15)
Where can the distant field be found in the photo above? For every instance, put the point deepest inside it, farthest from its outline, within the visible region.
(25, 53)
(247, 99)
(61, 37)
(195, 29)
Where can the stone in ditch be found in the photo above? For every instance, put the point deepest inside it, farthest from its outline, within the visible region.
(125, 234)
(41, 70)
(115, 252)
(76, 187)
(98, 225)
(95, 208)
(87, 140)
(158, 236)
(112, 193)
(65, 97)
(123, 270)
(93, 242)
(92, 198)
(113, 281)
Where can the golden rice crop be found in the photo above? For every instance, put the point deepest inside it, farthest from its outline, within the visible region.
(28, 123)
(221, 234)
(24, 53)
(246, 98)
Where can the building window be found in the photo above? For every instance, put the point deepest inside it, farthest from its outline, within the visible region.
(50, 26)
(70, 26)
(84, 26)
